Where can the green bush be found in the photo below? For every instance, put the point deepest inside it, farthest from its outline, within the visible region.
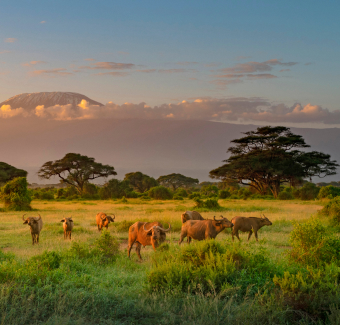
(16, 195)
(107, 246)
(123, 226)
(309, 191)
(286, 194)
(209, 204)
(195, 195)
(209, 190)
(329, 191)
(210, 266)
(312, 244)
(332, 210)
(181, 192)
(224, 194)
(177, 197)
(160, 193)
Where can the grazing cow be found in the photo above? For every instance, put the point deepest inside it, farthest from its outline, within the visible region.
(103, 220)
(203, 229)
(250, 224)
(36, 225)
(146, 234)
(191, 215)
(68, 226)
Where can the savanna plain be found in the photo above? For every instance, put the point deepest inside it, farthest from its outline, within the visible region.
(91, 280)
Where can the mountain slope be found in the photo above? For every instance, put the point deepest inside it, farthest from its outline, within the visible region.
(30, 101)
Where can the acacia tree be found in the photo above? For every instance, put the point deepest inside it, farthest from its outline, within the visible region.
(140, 182)
(8, 172)
(75, 170)
(175, 181)
(268, 157)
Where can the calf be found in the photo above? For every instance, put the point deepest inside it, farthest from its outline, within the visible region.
(146, 234)
(191, 215)
(203, 229)
(68, 226)
(251, 224)
(103, 220)
(35, 224)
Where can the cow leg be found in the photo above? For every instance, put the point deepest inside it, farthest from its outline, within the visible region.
(70, 234)
(129, 248)
(250, 233)
(138, 247)
(189, 240)
(183, 235)
(255, 233)
(236, 234)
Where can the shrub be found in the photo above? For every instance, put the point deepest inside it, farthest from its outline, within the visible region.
(16, 195)
(107, 246)
(160, 193)
(47, 260)
(195, 195)
(244, 193)
(328, 191)
(332, 210)
(209, 190)
(116, 189)
(309, 191)
(209, 204)
(312, 244)
(286, 194)
(181, 192)
(223, 194)
(177, 197)
(123, 225)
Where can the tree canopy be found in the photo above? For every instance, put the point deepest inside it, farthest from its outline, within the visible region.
(175, 181)
(270, 156)
(140, 182)
(75, 170)
(8, 172)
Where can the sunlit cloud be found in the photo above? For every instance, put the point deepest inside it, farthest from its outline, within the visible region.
(52, 72)
(32, 63)
(187, 63)
(109, 66)
(284, 70)
(176, 70)
(89, 59)
(10, 40)
(112, 73)
(43, 22)
(147, 70)
(7, 112)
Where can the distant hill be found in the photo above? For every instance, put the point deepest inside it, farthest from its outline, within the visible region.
(30, 101)
(155, 147)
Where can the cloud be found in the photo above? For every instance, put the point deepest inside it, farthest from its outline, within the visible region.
(283, 70)
(147, 70)
(10, 40)
(7, 112)
(176, 70)
(241, 57)
(3, 52)
(112, 73)
(52, 72)
(250, 76)
(32, 63)
(43, 22)
(186, 63)
(89, 59)
(109, 66)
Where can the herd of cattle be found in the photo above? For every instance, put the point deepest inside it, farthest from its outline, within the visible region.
(153, 233)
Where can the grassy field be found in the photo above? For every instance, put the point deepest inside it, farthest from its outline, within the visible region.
(89, 291)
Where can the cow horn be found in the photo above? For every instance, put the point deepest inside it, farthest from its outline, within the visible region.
(165, 230)
(147, 231)
(39, 217)
(23, 217)
(102, 217)
(114, 217)
(218, 220)
(264, 216)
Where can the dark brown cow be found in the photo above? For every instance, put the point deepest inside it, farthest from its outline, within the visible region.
(203, 229)
(103, 220)
(191, 215)
(146, 234)
(36, 225)
(251, 224)
(68, 226)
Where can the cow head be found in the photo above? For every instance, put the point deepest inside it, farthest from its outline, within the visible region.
(107, 219)
(224, 222)
(265, 221)
(68, 221)
(157, 234)
(31, 221)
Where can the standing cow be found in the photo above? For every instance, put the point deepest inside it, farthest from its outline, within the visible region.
(191, 215)
(146, 234)
(203, 229)
(35, 224)
(251, 224)
(68, 226)
(103, 220)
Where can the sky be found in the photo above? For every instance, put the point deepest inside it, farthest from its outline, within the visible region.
(233, 61)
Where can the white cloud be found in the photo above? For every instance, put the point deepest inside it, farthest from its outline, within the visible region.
(7, 112)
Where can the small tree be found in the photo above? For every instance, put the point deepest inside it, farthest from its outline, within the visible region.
(160, 193)
(16, 195)
(140, 181)
(174, 181)
(8, 172)
(116, 189)
(75, 170)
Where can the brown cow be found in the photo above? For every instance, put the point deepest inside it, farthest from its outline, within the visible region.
(68, 226)
(191, 215)
(103, 220)
(146, 234)
(250, 224)
(203, 229)
(36, 225)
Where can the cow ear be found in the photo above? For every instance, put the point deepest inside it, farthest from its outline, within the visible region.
(25, 222)
(62, 220)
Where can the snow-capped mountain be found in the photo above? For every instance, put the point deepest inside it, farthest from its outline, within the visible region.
(29, 101)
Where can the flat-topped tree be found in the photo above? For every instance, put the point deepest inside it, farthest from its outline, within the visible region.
(268, 157)
(8, 173)
(140, 182)
(175, 181)
(75, 170)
